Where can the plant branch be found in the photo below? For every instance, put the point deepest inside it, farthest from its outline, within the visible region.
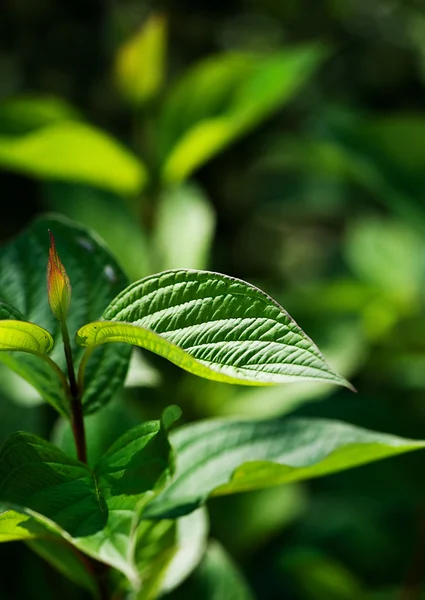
(77, 417)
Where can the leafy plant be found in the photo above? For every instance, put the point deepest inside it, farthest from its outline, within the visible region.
(129, 520)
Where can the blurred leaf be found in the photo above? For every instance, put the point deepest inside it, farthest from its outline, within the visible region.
(96, 279)
(389, 133)
(211, 325)
(247, 522)
(140, 62)
(24, 114)
(185, 223)
(327, 579)
(225, 97)
(217, 578)
(388, 254)
(226, 456)
(108, 215)
(76, 152)
(65, 559)
(189, 548)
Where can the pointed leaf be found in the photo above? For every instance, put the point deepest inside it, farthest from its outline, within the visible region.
(214, 326)
(226, 456)
(225, 97)
(96, 278)
(24, 336)
(140, 62)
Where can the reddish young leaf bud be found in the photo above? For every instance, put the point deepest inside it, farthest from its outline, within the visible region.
(58, 285)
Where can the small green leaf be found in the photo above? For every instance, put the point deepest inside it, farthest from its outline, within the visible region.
(214, 326)
(224, 98)
(226, 456)
(74, 151)
(24, 336)
(96, 278)
(140, 62)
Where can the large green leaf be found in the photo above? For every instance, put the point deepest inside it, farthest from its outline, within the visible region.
(226, 456)
(214, 326)
(223, 98)
(73, 151)
(96, 279)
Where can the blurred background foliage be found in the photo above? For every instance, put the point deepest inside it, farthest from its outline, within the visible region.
(280, 142)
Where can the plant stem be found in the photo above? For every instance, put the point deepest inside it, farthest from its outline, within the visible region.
(77, 419)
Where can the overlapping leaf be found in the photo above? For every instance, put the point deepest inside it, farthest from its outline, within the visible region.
(226, 456)
(214, 326)
(223, 98)
(96, 279)
(96, 511)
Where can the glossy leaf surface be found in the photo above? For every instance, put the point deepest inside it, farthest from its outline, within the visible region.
(214, 326)
(226, 456)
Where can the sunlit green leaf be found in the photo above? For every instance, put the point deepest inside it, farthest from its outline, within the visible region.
(24, 336)
(222, 99)
(76, 152)
(226, 456)
(214, 326)
(140, 62)
(184, 228)
(96, 279)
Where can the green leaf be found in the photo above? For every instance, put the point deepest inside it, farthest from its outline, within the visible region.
(96, 279)
(214, 326)
(140, 62)
(224, 98)
(26, 113)
(226, 456)
(96, 510)
(24, 336)
(217, 578)
(185, 224)
(7, 311)
(74, 151)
